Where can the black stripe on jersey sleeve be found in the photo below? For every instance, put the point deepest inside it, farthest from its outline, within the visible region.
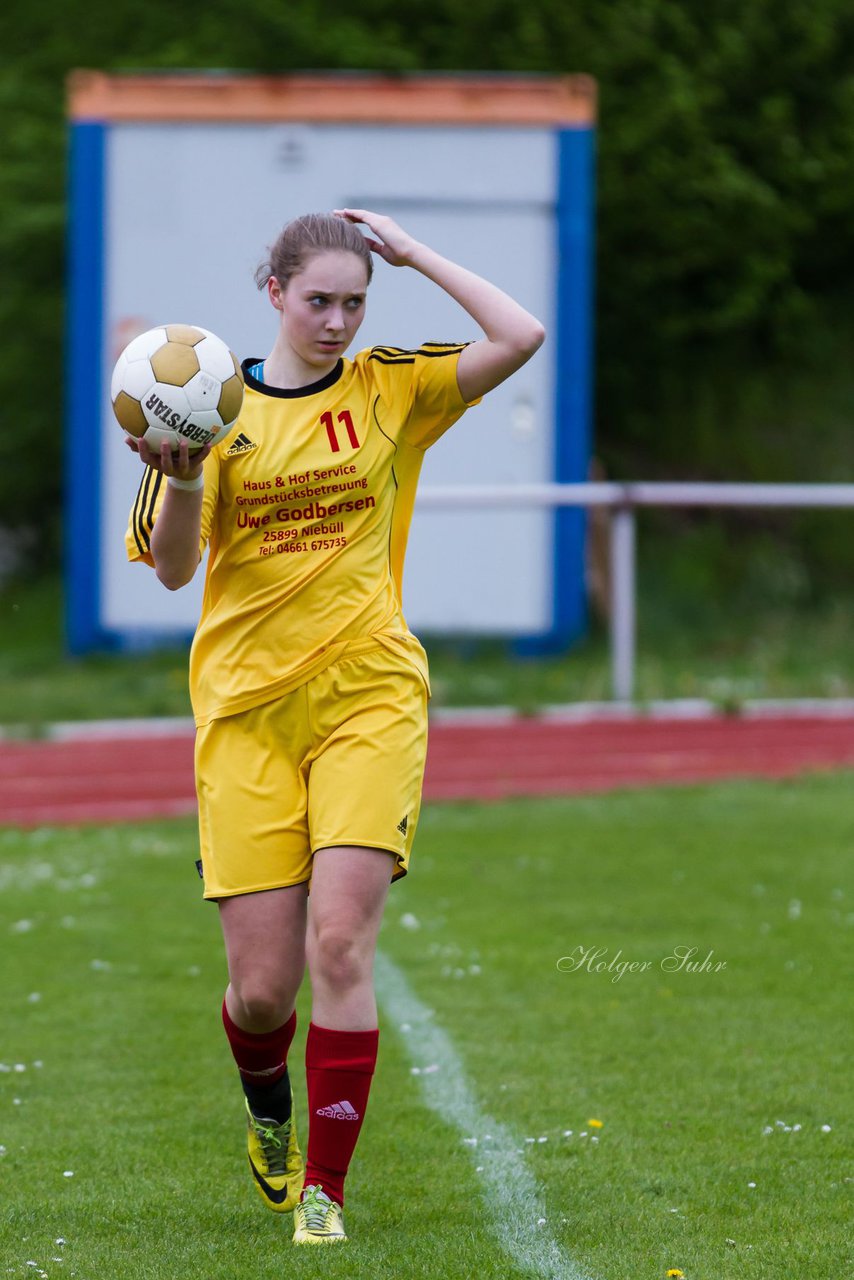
(426, 349)
(138, 508)
(446, 351)
(155, 489)
(394, 351)
(143, 510)
(389, 360)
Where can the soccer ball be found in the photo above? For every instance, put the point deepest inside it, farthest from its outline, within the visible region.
(178, 380)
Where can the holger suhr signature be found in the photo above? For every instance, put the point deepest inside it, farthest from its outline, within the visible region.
(681, 959)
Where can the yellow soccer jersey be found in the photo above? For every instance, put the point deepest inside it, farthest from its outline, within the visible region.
(306, 513)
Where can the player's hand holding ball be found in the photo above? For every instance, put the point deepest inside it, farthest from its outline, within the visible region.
(176, 390)
(180, 464)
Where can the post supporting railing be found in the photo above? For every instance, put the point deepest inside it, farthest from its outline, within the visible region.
(623, 499)
(623, 603)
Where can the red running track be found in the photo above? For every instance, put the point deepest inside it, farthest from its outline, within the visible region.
(127, 778)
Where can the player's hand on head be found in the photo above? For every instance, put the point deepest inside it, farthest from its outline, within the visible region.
(389, 241)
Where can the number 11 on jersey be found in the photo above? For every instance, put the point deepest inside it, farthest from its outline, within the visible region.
(345, 418)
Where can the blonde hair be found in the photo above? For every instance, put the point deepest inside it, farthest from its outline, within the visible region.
(310, 234)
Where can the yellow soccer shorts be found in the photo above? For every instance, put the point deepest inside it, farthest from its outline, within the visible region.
(339, 761)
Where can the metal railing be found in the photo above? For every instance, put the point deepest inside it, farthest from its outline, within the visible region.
(623, 499)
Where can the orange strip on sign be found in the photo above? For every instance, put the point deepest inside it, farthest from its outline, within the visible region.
(334, 98)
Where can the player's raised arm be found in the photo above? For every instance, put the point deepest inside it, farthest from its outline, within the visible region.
(176, 532)
(511, 334)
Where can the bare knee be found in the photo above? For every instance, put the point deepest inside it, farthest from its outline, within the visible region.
(260, 1005)
(339, 961)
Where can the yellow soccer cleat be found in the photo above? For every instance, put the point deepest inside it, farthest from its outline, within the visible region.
(275, 1161)
(317, 1219)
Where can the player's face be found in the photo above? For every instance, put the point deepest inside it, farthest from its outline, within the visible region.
(322, 306)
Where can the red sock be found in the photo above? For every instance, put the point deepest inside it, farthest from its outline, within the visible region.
(261, 1059)
(339, 1067)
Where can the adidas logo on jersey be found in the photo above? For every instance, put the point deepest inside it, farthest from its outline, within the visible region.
(403, 824)
(339, 1111)
(240, 444)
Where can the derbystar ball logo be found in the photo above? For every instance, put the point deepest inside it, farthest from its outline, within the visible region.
(170, 418)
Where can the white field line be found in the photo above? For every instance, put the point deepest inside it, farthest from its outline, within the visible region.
(513, 1199)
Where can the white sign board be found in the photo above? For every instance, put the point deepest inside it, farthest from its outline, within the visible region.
(186, 211)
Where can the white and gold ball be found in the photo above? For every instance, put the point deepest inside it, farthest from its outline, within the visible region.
(176, 382)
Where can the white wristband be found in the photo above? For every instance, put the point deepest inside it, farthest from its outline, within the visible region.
(198, 483)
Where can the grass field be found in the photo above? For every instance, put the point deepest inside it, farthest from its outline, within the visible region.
(724, 1094)
(724, 656)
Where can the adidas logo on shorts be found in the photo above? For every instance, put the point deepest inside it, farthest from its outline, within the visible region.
(339, 1111)
(403, 824)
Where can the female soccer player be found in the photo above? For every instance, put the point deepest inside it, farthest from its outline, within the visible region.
(309, 691)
